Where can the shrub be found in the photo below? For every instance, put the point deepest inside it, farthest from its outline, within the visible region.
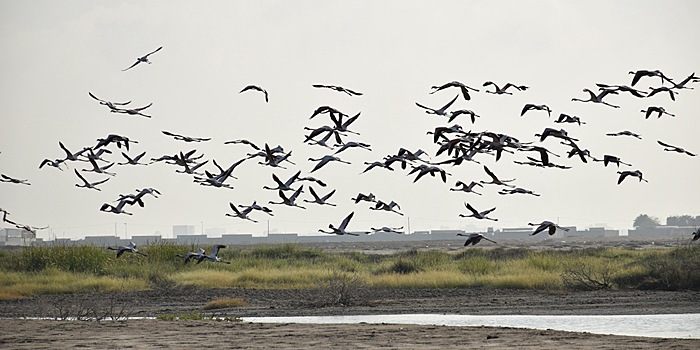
(339, 289)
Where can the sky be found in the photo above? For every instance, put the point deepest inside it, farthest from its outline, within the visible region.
(55, 52)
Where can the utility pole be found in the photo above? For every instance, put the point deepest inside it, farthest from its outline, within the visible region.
(408, 225)
(126, 235)
(202, 226)
(268, 228)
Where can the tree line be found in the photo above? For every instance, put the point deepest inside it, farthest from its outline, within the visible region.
(644, 220)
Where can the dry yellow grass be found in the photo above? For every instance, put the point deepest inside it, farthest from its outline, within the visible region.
(224, 303)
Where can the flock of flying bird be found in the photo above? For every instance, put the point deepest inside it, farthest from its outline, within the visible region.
(458, 145)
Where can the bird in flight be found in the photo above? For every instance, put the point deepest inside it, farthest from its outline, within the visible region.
(478, 214)
(442, 111)
(635, 173)
(185, 138)
(625, 133)
(338, 88)
(546, 225)
(463, 88)
(130, 248)
(531, 106)
(342, 229)
(257, 88)
(143, 59)
(671, 148)
(474, 238)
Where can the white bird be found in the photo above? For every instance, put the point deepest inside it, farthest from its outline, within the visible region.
(625, 133)
(442, 111)
(461, 186)
(89, 185)
(463, 88)
(214, 256)
(119, 208)
(474, 238)
(283, 186)
(193, 255)
(501, 91)
(6, 178)
(546, 225)
(478, 214)
(388, 229)
(133, 161)
(324, 160)
(130, 248)
(387, 207)
(671, 148)
(256, 88)
(655, 109)
(364, 197)
(495, 180)
(597, 98)
(626, 173)
(290, 201)
(320, 200)
(342, 228)
(143, 59)
(531, 106)
(243, 214)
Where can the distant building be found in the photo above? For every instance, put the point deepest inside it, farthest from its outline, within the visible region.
(215, 231)
(17, 237)
(179, 230)
(102, 241)
(145, 240)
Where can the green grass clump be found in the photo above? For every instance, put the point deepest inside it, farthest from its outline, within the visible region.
(69, 269)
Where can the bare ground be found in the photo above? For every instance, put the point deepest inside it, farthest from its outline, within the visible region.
(169, 300)
(141, 334)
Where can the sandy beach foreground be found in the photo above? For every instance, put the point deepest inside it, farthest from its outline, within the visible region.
(180, 334)
(152, 334)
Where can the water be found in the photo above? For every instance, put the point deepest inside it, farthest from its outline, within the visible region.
(660, 326)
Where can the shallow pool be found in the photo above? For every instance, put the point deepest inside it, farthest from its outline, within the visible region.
(662, 326)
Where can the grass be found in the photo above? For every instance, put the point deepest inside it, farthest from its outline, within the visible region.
(67, 269)
(224, 303)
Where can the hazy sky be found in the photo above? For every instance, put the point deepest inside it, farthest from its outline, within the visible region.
(55, 52)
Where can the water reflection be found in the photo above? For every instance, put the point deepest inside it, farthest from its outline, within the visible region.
(663, 326)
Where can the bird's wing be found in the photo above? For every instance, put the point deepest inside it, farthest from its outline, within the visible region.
(132, 66)
(449, 103)
(144, 107)
(345, 222)
(80, 176)
(235, 210)
(100, 182)
(156, 50)
(470, 208)
(327, 196)
(296, 194)
(313, 193)
(493, 176)
(93, 96)
(665, 144)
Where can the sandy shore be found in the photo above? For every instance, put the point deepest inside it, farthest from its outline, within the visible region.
(153, 334)
(149, 334)
(169, 300)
